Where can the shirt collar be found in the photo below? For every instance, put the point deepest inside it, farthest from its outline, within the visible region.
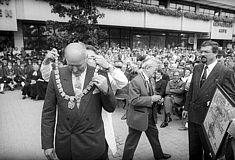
(83, 74)
(212, 65)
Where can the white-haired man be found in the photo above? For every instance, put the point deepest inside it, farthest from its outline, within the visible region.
(141, 114)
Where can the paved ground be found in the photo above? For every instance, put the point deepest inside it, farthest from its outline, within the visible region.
(20, 132)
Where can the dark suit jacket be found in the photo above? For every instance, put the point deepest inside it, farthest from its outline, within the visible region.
(79, 132)
(198, 98)
(160, 87)
(140, 104)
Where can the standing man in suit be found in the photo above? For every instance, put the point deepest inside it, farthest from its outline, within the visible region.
(79, 130)
(201, 91)
(140, 114)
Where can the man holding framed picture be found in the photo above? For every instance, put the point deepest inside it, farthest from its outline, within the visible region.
(203, 85)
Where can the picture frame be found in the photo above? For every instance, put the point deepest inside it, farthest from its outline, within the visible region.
(218, 118)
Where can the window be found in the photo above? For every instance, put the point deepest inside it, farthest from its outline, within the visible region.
(157, 42)
(115, 33)
(125, 33)
(125, 43)
(118, 37)
(207, 11)
(149, 2)
(34, 36)
(140, 41)
(155, 2)
(227, 14)
(173, 6)
(182, 7)
(212, 12)
(137, 1)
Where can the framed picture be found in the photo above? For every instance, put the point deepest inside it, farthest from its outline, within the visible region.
(218, 118)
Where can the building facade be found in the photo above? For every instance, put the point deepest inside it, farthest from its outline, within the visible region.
(134, 23)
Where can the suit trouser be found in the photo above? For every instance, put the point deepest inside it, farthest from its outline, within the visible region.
(26, 89)
(134, 137)
(33, 91)
(198, 147)
(168, 103)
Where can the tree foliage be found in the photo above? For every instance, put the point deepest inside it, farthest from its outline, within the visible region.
(82, 25)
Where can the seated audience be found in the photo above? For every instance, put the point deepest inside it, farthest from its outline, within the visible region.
(175, 90)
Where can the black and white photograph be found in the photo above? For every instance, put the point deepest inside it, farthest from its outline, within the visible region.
(117, 79)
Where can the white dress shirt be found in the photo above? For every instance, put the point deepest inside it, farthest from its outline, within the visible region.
(78, 82)
(209, 69)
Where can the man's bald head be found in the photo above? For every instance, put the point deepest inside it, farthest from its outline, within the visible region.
(75, 53)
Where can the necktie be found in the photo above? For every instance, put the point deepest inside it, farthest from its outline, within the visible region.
(78, 85)
(204, 76)
(150, 87)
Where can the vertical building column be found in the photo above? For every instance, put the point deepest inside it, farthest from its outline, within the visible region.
(197, 8)
(168, 4)
(18, 36)
(195, 42)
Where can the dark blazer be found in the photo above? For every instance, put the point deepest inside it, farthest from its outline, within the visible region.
(198, 99)
(160, 87)
(140, 104)
(79, 132)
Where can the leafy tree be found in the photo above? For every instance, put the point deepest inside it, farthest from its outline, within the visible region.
(82, 25)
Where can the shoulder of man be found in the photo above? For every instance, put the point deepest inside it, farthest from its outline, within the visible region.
(136, 79)
(223, 67)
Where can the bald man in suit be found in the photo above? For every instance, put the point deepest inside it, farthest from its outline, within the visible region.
(203, 85)
(79, 130)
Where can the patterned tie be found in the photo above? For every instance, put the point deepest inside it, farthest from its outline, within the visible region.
(203, 76)
(150, 87)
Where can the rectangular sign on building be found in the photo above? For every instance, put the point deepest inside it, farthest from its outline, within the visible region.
(8, 15)
(221, 30)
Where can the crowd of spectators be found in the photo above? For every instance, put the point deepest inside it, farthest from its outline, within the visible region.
(21, 69)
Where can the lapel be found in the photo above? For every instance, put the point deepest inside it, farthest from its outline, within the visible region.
(209, 81)
(66, 81)
(144, 82)
(89, 74)
(197, 76)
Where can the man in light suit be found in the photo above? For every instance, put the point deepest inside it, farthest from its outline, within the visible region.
(201, 91)
(140, 114)
(79, 130)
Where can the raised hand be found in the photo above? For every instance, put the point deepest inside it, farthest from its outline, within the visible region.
(51, 55)
(100, 60)
(101, 83)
